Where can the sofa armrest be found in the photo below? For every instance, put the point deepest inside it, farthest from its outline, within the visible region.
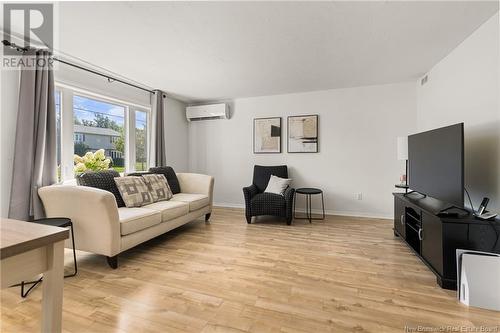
(250, 191)
(94, 214)
(197, 183)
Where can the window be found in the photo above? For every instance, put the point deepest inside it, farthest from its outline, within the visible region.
(89, 122)
(141, 146)
(95, 124)
(79, 137)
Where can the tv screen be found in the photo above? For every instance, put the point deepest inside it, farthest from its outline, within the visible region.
(436, 163)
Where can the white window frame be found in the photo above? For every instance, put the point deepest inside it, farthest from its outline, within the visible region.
(80, 137)
(132, 133)
(67, 130)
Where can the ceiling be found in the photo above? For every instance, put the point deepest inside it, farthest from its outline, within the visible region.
(220, 50)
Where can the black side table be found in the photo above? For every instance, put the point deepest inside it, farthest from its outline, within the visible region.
(60, 222)
(308, 192)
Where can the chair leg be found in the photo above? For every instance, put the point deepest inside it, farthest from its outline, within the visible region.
(249, 219)
(33, 283)
(207, 217)
(113, 261)
(74, 253)
(310, 208)
(294, 203)
(323, 204)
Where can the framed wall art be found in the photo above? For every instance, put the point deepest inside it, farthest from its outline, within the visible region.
(267, 135)
(303, 134)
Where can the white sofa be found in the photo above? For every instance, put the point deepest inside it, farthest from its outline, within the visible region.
(101, 227)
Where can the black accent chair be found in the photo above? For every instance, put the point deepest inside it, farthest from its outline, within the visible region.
(258, 202)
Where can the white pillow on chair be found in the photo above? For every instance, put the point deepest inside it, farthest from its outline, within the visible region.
(277, 185)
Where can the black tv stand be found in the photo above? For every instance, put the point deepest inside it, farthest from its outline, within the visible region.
(435, 239)
(412, 191)
(454, 207)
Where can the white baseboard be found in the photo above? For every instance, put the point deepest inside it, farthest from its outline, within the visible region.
(228, 205)
(317, 211)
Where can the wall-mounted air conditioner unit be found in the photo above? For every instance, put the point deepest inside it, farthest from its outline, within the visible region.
(206, 112)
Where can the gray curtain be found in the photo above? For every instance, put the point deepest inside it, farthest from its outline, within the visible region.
(35, 161)
(157, 154)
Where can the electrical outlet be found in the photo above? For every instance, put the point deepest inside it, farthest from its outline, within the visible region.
(359, 196)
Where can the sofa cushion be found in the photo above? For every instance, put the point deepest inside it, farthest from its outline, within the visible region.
(195, 201)
(103, 180)
(170, 209)
(266, 199)
(169, 173)
(136, 219)
(158, 187)
(134, 191)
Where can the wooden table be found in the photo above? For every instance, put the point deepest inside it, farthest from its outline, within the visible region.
(28, 249)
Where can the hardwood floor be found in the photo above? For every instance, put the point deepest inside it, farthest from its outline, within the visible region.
(338, 275)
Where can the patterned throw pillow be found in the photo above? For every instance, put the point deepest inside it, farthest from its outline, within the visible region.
(158, 187)
(134, 191)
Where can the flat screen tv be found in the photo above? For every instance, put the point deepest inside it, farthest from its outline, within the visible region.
(436, 163)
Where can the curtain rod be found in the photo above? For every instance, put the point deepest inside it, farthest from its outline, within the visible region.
(110, 78)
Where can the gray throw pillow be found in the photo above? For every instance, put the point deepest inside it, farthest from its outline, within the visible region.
(158, 187)
(278, 185)
(134, 191)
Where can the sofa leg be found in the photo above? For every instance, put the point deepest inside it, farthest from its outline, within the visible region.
(249, 219)
(289, 221)
(113, 261)
(207, 217)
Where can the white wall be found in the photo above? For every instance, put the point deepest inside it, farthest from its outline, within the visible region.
(357, 137)
(177, 135)
(464, 87)
(8, 119)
